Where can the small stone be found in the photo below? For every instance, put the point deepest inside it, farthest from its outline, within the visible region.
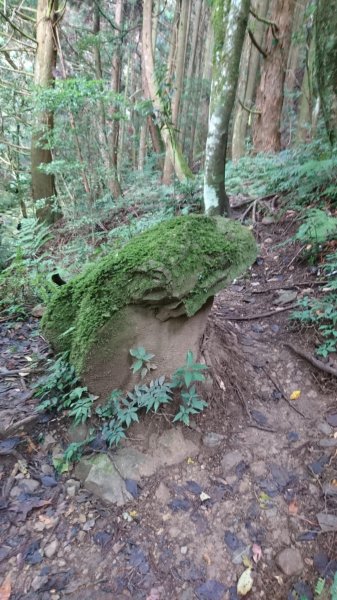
(290, 562)
(162, 493)
(231, 460)
(183, 549)
(268, 220)
(71, 491)
(29, 485)
(78, 433)
(82, 518)
(324, 428)
(212, 439)
(258, 468)
(81, 536)
(48, 442)
(285, 297)
(51, 549)
(268, 240)
(62, 562)
(38, 582)
(89, 525)
(328, 443)
(332, 419)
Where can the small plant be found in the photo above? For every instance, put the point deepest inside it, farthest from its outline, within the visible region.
(60, 389)
(324, 591)
(322, 312)
(191, 405)
(188, 373)
(142, 362)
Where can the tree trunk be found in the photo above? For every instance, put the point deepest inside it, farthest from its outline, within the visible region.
(269, 99)
(249, 66)
(178, 80)
(115, 88)
(43, 184)
(229, 21)
(181, 167)
(326, 60)
(191, 71)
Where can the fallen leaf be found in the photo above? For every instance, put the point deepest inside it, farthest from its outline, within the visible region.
(293, 507)
(279, 579)
(207, 559)
(257, 553)
(295, 395)
(190, 461)
(247, 562)
(245, 583)
(133, 514)
(6, 588)
(154, 595)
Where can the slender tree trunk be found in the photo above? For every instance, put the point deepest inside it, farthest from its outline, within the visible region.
(326, 60)
(199, 131)
(269, 99)
(178, 80)
(181, 167)
(229, 21)
(43, 184)
(115, 88)
(249, 66)
(191, 71)
(306, 102)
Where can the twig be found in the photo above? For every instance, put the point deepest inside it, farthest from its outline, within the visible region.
(289, 287)
(251, 423)
(260, 316)
(13, 428)
(313, 361)
(249, 110)
(282, 392)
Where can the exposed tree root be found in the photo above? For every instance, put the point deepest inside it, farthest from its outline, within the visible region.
(313, 361)
(260, 316)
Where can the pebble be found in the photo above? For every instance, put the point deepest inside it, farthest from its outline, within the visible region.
(324, 428)
(231, 460)
(212, 439)
(162, 493)
(62, 562)
(290, 562)
(183, 549)
(29, 485)
(89, 525)
(51, 549)
(328, 443)
(38, 582)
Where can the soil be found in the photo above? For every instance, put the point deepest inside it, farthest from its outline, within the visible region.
(265, 468)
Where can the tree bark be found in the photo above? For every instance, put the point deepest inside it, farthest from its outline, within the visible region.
(178, 80)
(43, 184)
(269, 99)
(229, 21)
(249, 66)
(326, 60)
(115, 88)
(181, 167)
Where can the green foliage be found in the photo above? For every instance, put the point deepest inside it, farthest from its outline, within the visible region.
(321, 312)
(142, 362)
(26, 279)
(318, 227)
(188, 373)
(60, 389)
(324, 590)
(306, 175)
(123, 411)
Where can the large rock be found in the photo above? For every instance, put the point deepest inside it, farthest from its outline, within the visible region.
(106, 476)
(156, 292)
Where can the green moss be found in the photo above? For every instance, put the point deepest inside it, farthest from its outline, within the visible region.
(185, 260)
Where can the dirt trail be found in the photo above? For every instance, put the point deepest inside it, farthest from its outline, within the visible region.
(264, 469)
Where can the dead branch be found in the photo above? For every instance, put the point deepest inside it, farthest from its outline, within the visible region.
(260, 316)
(280, 389)
(249, 110)
(18, 425)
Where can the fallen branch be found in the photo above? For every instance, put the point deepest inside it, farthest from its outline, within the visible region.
(5, 433)
(313, 361)
(289, 287)
(260, 316)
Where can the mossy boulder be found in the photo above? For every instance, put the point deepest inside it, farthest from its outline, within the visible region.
(145, 292)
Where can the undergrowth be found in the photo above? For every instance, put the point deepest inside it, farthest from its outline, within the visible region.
(61, 390)
(307, 175)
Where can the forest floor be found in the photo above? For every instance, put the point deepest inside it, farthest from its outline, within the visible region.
(257, 484)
